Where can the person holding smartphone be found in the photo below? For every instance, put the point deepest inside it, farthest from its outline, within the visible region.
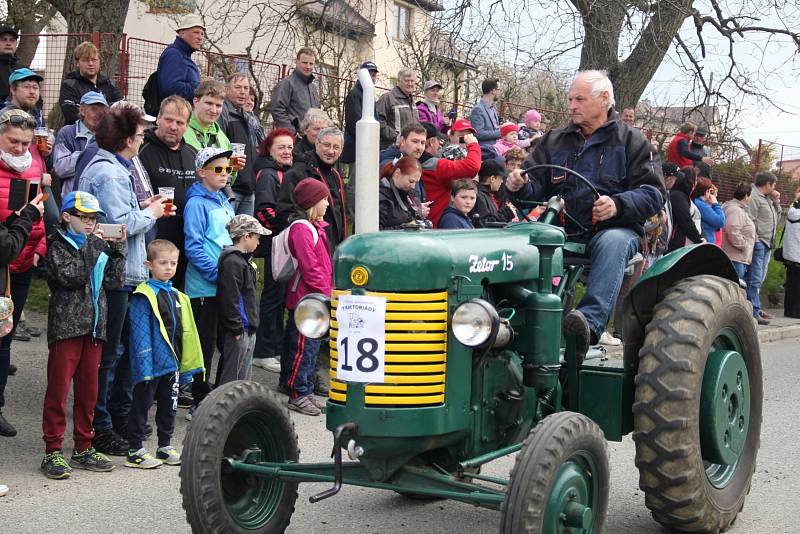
(108, 177)
(17, 170)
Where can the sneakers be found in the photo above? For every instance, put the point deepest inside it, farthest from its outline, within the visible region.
(32, 331)
(575, 324)
(55, 466)
(283, 389)
(304, 405)
(142, 459)
(12, 369)
(168, 455)
(3, 490)
(20, 335)
(185, 399)
(109, 442)
(189, 414)
(765, 315)
(6, 428)
(761, 320)
(609, 340)
(273, 365)
(91, 460)
(321, 389)
(319, 402)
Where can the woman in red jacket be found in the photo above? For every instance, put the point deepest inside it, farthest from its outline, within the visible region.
(17, 166)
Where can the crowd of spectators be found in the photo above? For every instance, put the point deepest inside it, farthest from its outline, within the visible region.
(188, 197)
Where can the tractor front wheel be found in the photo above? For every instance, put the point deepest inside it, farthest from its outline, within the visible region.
(238, 419)
(560, 480)
(697, 410)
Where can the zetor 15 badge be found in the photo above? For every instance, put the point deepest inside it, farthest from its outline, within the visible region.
(484, 265)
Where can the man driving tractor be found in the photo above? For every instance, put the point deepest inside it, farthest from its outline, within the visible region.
(625, 170)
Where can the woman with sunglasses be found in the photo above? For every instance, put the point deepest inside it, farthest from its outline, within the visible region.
(17, 170)
(108, 177)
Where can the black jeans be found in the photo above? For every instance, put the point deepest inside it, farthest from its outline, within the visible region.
(161, 390)
(114, 373)
(20, 284)
(206, 318)
(269, 338)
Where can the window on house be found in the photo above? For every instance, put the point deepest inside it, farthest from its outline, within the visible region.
(401, 21)
(170, 6)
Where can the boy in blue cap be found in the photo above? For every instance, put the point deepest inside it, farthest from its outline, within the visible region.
(81, 265)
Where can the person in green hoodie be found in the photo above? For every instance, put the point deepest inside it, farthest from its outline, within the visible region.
(204, 130)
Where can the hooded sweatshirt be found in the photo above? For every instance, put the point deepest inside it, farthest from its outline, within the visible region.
(169, 168)
(205, 216)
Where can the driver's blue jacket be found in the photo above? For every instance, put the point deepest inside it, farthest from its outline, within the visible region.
(617, 159)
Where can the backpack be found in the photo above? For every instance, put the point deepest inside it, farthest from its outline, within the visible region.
(151, 95)
(284, 264)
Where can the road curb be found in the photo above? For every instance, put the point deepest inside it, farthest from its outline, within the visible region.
(769, 335)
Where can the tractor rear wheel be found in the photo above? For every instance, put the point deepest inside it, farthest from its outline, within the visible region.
(235, 419)
(697, 410)
(560, 479)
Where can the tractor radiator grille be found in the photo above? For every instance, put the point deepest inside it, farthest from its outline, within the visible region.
(416, 352)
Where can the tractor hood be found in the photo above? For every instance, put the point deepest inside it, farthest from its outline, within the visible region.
(427, 260)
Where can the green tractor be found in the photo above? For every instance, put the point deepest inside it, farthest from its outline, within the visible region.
(447, 353)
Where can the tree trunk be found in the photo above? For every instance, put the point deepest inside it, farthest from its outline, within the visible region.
(603, 21)
(29, 17)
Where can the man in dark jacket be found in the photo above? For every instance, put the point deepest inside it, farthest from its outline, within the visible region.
(85, 79)
(177, 73)
(169, 162)
(8, 57)
(352, 114)
(626, 172)
(396, 109)
(297, 93)
(233, 122)
(320, 165)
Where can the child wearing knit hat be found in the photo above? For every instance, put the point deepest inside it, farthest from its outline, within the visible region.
(508, 138)
(308, 244)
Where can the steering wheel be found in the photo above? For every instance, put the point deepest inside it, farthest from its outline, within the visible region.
(580, 177)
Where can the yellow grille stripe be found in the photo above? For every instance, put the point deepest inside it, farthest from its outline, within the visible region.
(408, 347)
(404, 327)
(432, 399)
(404, 358)
(399, 297)
(394, 379)
(408, 316)
(405, 390)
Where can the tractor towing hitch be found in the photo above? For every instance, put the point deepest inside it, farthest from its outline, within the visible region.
(337, 462)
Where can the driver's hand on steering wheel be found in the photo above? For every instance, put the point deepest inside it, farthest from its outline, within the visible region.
(604, 208)
(515, 181)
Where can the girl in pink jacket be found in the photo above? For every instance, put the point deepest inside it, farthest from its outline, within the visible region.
(308, 244)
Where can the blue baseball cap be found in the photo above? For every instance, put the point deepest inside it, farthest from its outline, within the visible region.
(24, 74)
(81, 201)
(93, 97)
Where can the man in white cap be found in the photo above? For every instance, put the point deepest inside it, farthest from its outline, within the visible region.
(177, 72)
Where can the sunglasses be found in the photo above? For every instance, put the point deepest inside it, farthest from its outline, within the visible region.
(219, 169)
(19, 120)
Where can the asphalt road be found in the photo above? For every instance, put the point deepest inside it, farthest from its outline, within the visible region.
(132, 501)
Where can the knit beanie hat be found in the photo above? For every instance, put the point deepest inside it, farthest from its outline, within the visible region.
(532, 116)
(309, 191)
(507, 128)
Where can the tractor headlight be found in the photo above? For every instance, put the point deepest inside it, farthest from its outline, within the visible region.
(475, 323)
(312, 317)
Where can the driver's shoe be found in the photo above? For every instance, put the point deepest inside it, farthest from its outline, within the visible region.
(575, 324)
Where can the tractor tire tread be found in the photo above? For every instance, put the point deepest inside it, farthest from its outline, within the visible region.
(665, 409)
(199, 471)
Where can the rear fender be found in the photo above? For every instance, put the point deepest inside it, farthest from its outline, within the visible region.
(640, 301)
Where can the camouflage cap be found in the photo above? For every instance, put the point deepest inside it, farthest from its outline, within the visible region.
(245, 224)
